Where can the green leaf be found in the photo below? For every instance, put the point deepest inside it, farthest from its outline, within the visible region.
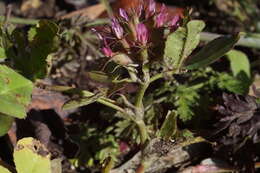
(31, 33)
(15, 93)
(181, 43)
(84, 101)
(239, 63)
(4, 170)
(240, 67)
(2, 53)
(169, 127)
(230, 83)
(30, 156)
(31, 51)
(211, 52)
(99, 76)
(5, 124)
(187, 99)
(107, 165)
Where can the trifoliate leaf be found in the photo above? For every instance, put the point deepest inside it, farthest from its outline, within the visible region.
(181, 43)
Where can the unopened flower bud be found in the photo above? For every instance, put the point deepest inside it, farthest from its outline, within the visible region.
(107, 51)
(117, 28)
(123, 14)
(122, 59)
(142, 33)
(151, 8)
(161, 18)
(174, 22)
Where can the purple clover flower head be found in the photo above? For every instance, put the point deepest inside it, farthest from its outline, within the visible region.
(142, 34)
(174, 22)
(151, 8)
(117, 28)
(107, 51)
(123, 14)
(161, 18)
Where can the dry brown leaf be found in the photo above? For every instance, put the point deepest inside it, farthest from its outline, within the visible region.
(91, 12)
(28, 4)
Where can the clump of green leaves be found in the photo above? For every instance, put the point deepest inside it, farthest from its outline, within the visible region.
(187, 94)
(27, 54)
(96, 145)
(135, 41)
(133, 50)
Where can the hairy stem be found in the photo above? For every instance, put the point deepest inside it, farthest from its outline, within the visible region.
(143, 131)
(139, 98)
(160, 75)
(140, 95)
(146, 80)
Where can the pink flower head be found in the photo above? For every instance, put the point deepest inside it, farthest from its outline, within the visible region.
(151, 8)
(117, 28)
(161, 18)
(174, 22)
(123, 14)
(107, 51)
(142, 34)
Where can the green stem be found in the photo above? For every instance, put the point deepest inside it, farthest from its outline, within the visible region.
(111, 105)
(143, 131)
(140, 113)
(139, 98)
(140, 95)
(156, 77)
(160, 75)
(146, 79)
(17, 20)
(102, 100)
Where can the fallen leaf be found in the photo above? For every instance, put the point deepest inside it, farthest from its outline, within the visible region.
(27, 5)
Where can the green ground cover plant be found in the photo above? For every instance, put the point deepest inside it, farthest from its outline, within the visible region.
(157, 92)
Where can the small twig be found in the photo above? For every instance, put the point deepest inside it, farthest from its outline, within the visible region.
(174, 155)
